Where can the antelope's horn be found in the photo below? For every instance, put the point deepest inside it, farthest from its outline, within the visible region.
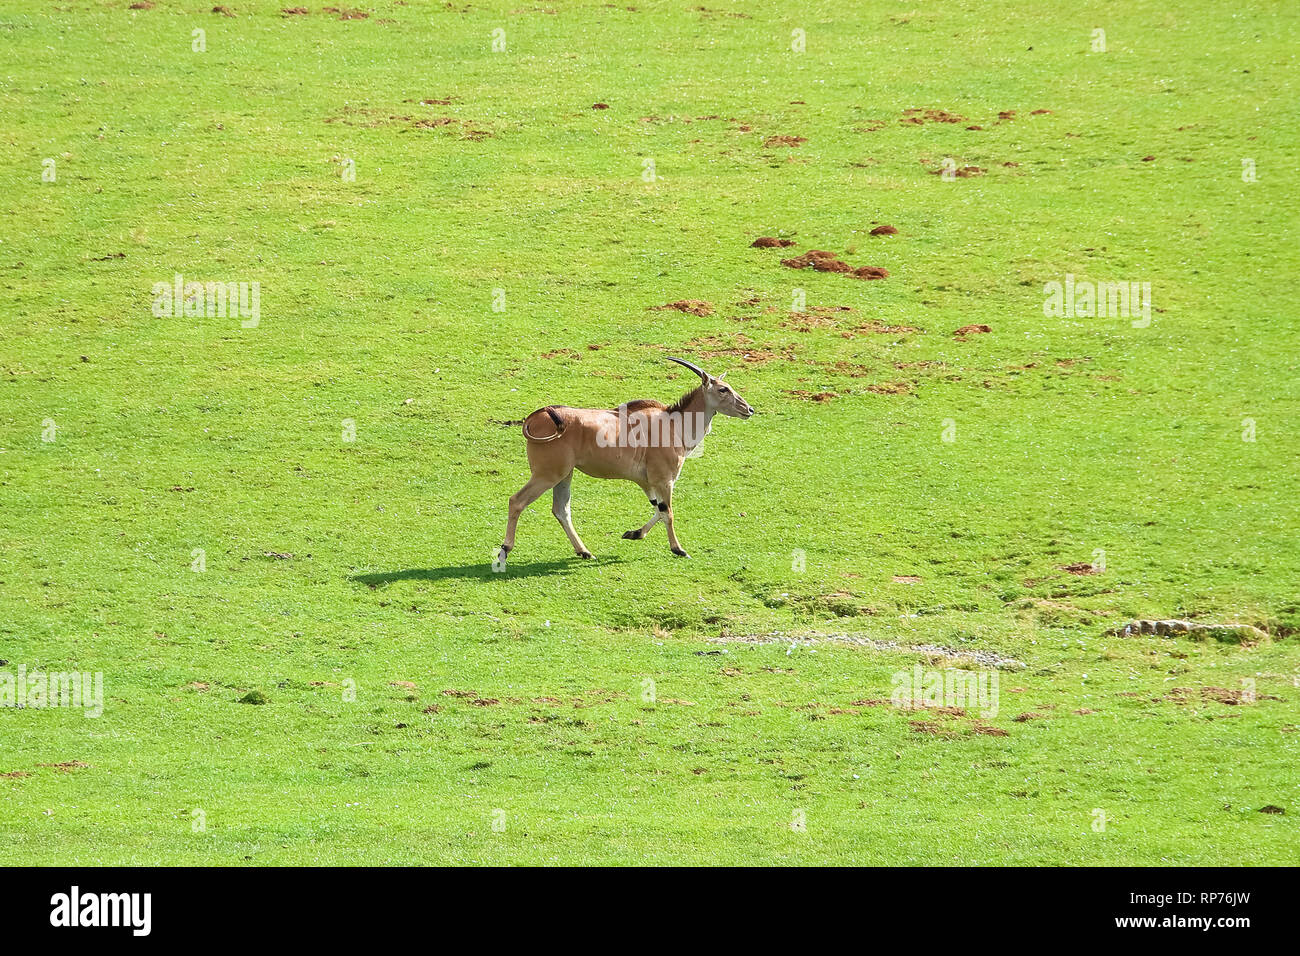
(704, 376)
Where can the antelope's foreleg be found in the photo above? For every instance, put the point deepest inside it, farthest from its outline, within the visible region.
(666, 507)
(636, 534)
(560, 508)
(520, 500)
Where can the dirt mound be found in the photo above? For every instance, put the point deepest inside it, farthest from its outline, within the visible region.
(1038, 112)
(224, 11)
(966, 330)
(919, 117)
(689, 306)
(884, 231)
(345, 14)
(294, 12)
(1082, 567)
(824, 261)
(772, 141)
(770, 242)
(141, 5)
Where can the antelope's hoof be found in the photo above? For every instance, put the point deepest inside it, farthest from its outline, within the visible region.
(584, 554)
(634, 535)
(680, 553)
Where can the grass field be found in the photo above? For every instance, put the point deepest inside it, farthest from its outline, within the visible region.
(304, 511)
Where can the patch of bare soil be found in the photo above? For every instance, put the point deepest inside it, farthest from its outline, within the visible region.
(919, 117)
(1038, 112)
(741, 346)
(884, 230)
(961, 172)
(989, 731)
(372, 118)
(849, 369)
(600, 106)
(66, 766)
(294, 12)
(773, 141)
(876, 328)
(891, 388)
(19, 774)
(138, 5)
(770, 242)
(906, 579)
(973, 655)
(1027, 716)
(816, 317)
(1081, 568)
(812, 396)
(929, 727)
(224, 11)
(345, 14)
(1222, 695)
(966, 330)
(689, 306)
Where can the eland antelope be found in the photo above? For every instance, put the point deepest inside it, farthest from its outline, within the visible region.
(644, 441)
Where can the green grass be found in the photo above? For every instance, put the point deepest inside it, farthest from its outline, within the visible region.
(1072, 435)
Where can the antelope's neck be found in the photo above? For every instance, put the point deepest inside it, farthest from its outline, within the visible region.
(697, 420)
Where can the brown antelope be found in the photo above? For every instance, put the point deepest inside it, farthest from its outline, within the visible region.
(643, 441)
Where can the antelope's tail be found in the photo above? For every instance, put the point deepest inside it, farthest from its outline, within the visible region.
(556, 421)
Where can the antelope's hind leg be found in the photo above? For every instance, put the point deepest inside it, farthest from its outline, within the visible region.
(560, 508)
(521, 499)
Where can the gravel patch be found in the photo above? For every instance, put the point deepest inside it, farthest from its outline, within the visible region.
(984, 658)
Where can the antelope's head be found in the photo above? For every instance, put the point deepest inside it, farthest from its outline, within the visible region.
(718, 395)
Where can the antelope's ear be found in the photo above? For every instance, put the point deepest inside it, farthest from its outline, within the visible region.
(721, 377)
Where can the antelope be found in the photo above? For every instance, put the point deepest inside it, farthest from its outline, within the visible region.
(644, 441)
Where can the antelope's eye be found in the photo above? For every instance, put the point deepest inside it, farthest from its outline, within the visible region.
(724, 390)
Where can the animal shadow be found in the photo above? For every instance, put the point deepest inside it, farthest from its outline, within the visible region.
(482, 571)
